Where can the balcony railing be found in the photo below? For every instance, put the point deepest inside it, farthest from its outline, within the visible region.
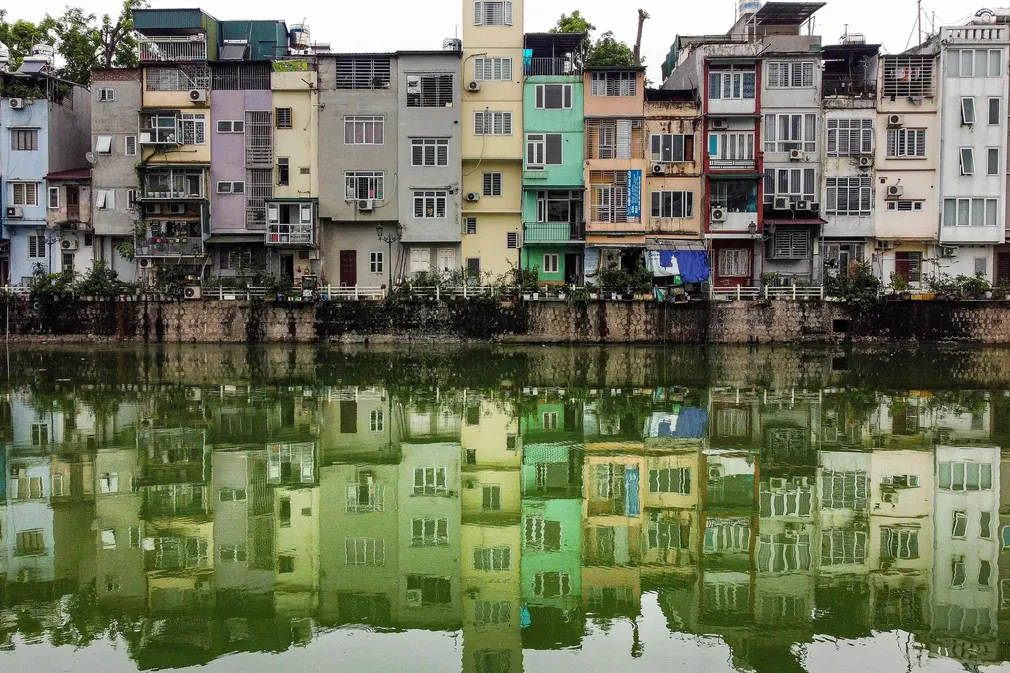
(611, 215)
(170, 247)
(289, 234)
(188, 48)
(717, 164)
(553, 232)
(847, 85)
(552, 65)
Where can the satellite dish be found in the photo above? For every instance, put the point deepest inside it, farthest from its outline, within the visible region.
(91, 157)
(134, 215)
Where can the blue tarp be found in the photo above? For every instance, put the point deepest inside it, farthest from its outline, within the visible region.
(631, 503)
(693, 265)
(691, 423)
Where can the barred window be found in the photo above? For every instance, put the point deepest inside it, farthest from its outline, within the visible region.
(849, 196)
(789, 74)
(792, 243)
(499, 69)
(429, 90)
(363, 72)
(614, 83)
(850, 137)
(430, 204)
(363, 130)
(363, 185)
(492, 123)
(429, 152)
(492, 13)
(23, 140)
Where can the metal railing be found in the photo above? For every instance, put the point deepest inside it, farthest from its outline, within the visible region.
(192, 48)
(731, 164)
(189, 248)
(552, 65)
(793, 292)
(553, 232)
(856, 86)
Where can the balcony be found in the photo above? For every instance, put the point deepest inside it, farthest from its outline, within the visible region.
(290, 224)
(847, 85)
(172, 49)
(289, 234)
(170, 247)
(174, 184)
(717, 164)
(553, 232)
(551, 65)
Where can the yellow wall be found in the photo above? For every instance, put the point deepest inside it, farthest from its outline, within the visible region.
(490, 243)
(298, 91)
(496, 216)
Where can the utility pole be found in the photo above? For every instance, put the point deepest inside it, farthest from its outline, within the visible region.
(918, 19)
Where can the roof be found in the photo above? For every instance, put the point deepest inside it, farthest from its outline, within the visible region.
(844, 51)
(235, 238)
(74, 174)
(616, 68)
(689, 95)
(562, 41)
(429, 52)
(787, 13)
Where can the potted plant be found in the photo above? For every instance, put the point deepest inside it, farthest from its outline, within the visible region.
(976, 287)
(1002, 291)
(900, 285)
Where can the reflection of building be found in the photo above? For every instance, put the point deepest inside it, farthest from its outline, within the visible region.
(119, 570)
(292, 469)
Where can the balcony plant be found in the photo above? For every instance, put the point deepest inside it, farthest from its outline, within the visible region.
(1002, 291)
(900, 286)
(975, 287)
(859, 288)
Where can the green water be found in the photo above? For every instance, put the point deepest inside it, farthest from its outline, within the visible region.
(494, 511)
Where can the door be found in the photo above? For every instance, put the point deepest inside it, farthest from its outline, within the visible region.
(5, 271)
(288, 267)
(68, 263)
(348, 268)
(1002, 268)
(573, 270)
(446, 259)
(420, 260)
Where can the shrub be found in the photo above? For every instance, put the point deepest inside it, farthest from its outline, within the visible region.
(860, 287)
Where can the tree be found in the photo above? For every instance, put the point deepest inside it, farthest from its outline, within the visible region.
(77, 44)
(576, 23)
(608, 51)
(118, 45)
(21, 35)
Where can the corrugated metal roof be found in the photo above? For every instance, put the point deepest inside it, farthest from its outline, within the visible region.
(74, 174)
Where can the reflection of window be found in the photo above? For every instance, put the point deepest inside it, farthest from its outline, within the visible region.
(109, 483)
(984, 573)
(30, 543)
(492, 558)
(109, 539)
(670, 480)
(958, 572)
(777, 552)
(899, 543)
(731, 422)
(429, 481)
(491, 498)
(960, 524)
(491, 612)
(550, 420)
(542, 533)
(962, 476)
(285, 564)
(376, 420)
(426, 590)
(40, 434)
(364, 551)
(232, 553)
(844, 490)
(668, 534)
(365, 495)
(492, 661)
(429, 532)
(985, 525)
(552, 584)
(727, 535)
(843, 547)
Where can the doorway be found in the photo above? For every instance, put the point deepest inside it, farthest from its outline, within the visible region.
(288, 267)
(573, 268)
(68, 263)
(1003, 268)
(348, 268)
(446, 259)
(5, 271)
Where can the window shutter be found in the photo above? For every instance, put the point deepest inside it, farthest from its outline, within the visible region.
(623, 138)
(487, 184)
(417, 153)
(110, 199)
(478, 123)
(540, 96)
(508, 12)
(507, 117)
(506, 68)
(655, 196)
(920, 143)
(238, 187)
(478, 13)
(306, 213)
(568, 96)
(273, 214)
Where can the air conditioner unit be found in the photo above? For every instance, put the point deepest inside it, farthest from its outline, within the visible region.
(895, 120)
(886, 480)
(948, 251)
(176, 208)
(473, 85)
(473, 196)
(14, 212)
(193, 394)
(17, 103)
(413, 598)
(152, 208)
(146, 138)
(777, 482)
(69, 244)
(192, 292)
(945, 436)
(804, 205)
(894, 191)
(470, 484)
(719, 124)
(366, 205)
(144, 263)
(658, 169)
(889, 498)
(881, 245)
(715, 472)
(718, 214)
(198, 95)
(781, 203)
(866, 162)
(796, 155)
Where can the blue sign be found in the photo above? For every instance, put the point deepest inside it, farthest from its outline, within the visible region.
(634, 194)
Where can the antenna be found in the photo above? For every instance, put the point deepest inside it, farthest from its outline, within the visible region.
(918, 19)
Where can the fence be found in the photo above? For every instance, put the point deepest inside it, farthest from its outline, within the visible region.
(794, 292)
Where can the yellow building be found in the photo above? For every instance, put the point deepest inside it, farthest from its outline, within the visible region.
(492, 134)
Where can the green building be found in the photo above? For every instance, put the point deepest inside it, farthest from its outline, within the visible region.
(553, 184)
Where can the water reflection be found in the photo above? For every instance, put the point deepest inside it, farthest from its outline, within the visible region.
(191, 521)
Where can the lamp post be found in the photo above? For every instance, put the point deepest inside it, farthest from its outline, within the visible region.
(50, 237)
(389, 239)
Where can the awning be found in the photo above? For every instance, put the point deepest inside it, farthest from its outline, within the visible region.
(737, 235)
(616, 246)
(794, 220)
(661, 244)
(236, 238)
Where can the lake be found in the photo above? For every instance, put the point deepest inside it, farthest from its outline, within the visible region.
(436, 508)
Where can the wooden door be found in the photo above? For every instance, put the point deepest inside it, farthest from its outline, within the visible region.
(1003, 267)
(348, 268)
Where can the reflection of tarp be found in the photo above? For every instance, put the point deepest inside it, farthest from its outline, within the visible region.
(682, 423)
(537, 454)
(631, 503)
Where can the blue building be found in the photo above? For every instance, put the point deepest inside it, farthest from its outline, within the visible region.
(45, 127)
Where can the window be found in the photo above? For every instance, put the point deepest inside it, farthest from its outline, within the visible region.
(958, 572)
(731, 84)
(553, 96)
(492, 69)
(906, 143)
(512, 240)
(25, 193)
(429, 90)
(852, 196)
(429, 481)
(897, 542)
(109, 539)
(375, 262)
(36, 247)
(492, 123)
(984, 573)
(790, 74)
(491, 498)
(670, 480)
(429, 152)
(785, 132)
(133, 537)
(194, 128)
(967, 160)
(363, 72)
(363, 130)
(109, 483)
(105, 199)
(908, 265)
(130, 146)
(961, 476)
(492, 612)
(905, 76)
(960, 524)
(430, 204)
(967, 111)
(675, 147)
(230, 126)
(550, 264)
(363, 185)
(423, 590)
(54, 198)
(227, 494)
(734, 262)
(103, 144)
(559, 206)
(364, 551)
(985, 525)
(231, 553)
(844, 490)
(974, 63)
(1006, 537)
(492, 13)
(994, 112)
(285, 564)
(543, 149)
(970, 212)
(471, 225)
(131, 198)
(623, 83)
(492, 558)
(283, 171)
(492, 184)
(796, 183)
(227, 187)
(737, 146)
(850, 137)
(992, 161)
(790, 243)
(24, 140)
(905, 206)
(843, 547)
(473, 268)
(106, 95)
(282, 117)
(672, 204)
(429, 532)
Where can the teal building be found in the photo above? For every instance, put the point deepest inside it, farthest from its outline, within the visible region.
(553, 186)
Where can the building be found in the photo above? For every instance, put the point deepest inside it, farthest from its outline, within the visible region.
(46, 130)
(68, 214)
(492, 139)
(553, 193)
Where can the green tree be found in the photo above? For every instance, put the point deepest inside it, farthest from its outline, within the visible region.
(118, 45)
(20, 35)
(608, 51)
(77, 44)
(576, 23)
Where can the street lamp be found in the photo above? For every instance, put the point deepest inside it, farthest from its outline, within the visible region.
(389, 239)
(50, 238)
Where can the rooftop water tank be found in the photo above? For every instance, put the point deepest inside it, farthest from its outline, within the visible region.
(452, 44)
(299, 36)
(749, 6)
(42, 52)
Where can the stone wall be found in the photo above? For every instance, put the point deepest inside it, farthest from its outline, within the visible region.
(483, 320)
